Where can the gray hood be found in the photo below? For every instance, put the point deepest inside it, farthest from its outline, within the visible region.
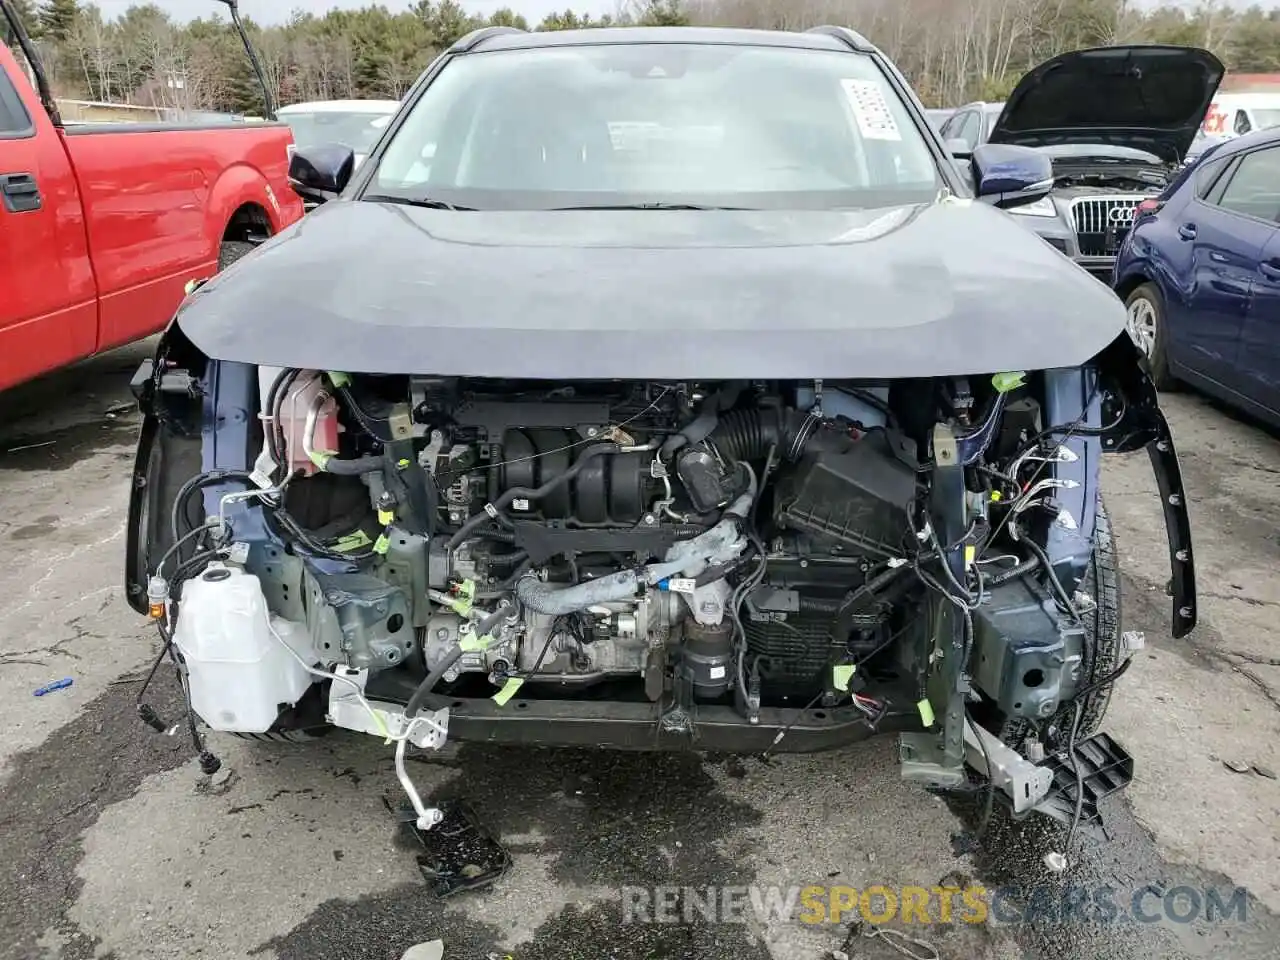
(954, 287)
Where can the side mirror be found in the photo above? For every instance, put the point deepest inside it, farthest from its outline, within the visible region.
(321, 172)
(1009, 176)
(958, 148)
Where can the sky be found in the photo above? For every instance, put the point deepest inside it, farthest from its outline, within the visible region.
(277, 11)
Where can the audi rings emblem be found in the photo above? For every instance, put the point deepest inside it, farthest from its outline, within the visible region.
(1120, 216)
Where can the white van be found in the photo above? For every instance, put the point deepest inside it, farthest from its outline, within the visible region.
(1234, 114)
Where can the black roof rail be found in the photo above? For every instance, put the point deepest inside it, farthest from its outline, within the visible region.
(851, 37)
(477, 37)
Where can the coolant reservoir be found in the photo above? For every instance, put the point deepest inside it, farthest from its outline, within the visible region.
(240, 674)
(295, 415)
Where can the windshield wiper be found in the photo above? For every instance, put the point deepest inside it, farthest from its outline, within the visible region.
(427, 202)
(648, 206)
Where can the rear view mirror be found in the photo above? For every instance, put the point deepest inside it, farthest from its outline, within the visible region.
(1009, 176)
(321, 172)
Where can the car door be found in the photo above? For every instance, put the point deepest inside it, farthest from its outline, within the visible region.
(48, 305)
(1258, 367)
(1225, 230)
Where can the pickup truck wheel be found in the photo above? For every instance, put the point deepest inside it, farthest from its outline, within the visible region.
(1145, 308)
(1101, 653)
(233, 250)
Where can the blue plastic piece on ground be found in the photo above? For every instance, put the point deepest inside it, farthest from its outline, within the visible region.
(50, 687)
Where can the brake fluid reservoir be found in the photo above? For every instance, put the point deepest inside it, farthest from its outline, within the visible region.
(238, 671)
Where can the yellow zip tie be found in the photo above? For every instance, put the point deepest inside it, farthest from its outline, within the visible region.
(926, 712)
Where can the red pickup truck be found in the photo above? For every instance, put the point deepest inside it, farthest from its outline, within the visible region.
(103, 225)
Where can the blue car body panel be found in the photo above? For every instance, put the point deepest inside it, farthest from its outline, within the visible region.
(1218, 273)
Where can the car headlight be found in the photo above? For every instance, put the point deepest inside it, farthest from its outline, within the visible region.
(1041, 208)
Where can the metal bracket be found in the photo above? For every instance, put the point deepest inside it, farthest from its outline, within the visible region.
(349, 709)
(1025, 783)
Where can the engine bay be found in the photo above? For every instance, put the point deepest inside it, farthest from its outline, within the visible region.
(739, 565)
(748, 545)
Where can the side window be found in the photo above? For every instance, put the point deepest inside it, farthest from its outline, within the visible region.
(14, 120)
(1207, 176)
(969, 132)
(947, 130)
(1242, 122)
(1254, 186)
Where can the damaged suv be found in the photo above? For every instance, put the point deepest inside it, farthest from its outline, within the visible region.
(655, 388)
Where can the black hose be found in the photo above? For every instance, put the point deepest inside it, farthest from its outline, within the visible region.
(749, 434)
(820, 604)
(706, 421)
(1013, 573)
(178, 513)
(352, 468)
(377, 427)
(530, 493)
(1055, 584)
(455, 653)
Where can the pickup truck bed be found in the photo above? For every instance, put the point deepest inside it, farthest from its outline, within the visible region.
(103, 225)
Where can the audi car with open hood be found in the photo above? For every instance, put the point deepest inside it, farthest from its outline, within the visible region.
(655, 388)
(1117, 123)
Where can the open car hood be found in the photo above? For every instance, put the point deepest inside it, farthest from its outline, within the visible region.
(947, 288)
(1149, 97)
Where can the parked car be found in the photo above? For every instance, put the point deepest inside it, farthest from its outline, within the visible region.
(938, 117)
(1200, 275)
(721, 412)
(969, 126)
(353, 123)
(102, 226)
(1116, 122)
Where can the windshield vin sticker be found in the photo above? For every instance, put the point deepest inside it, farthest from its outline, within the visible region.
(871, 110)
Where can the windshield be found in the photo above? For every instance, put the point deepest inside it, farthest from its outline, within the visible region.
(359, 131)
(674, 123)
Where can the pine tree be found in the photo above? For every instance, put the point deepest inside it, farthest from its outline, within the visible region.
(58, 18)
(27, 14)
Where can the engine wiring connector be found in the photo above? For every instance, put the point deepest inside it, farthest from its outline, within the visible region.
(157, 597)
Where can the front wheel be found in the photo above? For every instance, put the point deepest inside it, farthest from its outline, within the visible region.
(233, 250)
(1145, 322)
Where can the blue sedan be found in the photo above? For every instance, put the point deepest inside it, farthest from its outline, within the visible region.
(1200, 274)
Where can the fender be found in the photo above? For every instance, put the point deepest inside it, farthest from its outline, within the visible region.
(239, 184)
(1131, 410)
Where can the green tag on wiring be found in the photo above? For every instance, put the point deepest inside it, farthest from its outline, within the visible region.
(471, 643)
(926, 712)
(508, 690)
(352, 541)
(1010, 380)
(842, 676)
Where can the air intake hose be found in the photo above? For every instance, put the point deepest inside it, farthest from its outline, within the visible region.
(750, 434)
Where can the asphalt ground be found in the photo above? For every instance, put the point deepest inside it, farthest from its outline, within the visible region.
(113, 845)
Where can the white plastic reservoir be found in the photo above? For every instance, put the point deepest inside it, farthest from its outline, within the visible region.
(240, 674)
